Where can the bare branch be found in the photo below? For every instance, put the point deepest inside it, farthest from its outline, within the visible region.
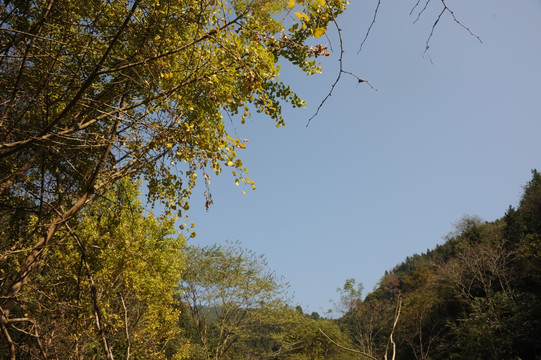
(390, 340)
(126, 329)
(370, 27)
(340, 71)
(432, 31)
(421, 11)
(459, 22)
(445, 9)
(360, 79)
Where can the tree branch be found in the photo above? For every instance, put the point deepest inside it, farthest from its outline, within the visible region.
(370, 27)
(126, 329)
(346, 348)
(390, 340)
(94, 295)
(340, 72)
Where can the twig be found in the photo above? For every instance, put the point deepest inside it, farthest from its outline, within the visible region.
(340, 71)
(421, 11)
(360, 79)
(415, 6)
(340, 60)
(446, 8)
(370, 27)
(432, 31)
(459, 22)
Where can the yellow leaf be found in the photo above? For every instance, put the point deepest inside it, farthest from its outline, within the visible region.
(237, 182)
(302, 16)
(230, 163)
(319, 31)
(322, 2)
(291, 4)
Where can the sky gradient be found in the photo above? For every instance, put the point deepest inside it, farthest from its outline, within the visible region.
(381, 175)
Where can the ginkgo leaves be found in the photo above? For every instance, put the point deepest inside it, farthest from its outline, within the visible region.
(291, 3)
(136, 90)
(319, 32)
(304, 18)
(239, 173)
(162, 90)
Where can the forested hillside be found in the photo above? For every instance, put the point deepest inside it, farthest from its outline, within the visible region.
(476, 296)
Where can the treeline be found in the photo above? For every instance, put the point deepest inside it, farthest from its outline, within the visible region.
(120, 283)
(477, 296)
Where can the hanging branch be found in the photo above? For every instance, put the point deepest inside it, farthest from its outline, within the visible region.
(370, 27)
(445, 9)
(340, 72)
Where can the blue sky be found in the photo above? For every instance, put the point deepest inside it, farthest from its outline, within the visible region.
(380, 175)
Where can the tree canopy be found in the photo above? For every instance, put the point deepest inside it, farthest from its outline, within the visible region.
(98, 91)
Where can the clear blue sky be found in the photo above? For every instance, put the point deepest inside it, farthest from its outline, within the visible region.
(378, 176)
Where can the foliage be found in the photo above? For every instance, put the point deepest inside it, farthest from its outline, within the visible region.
(229, 292)
(107, 286)
(98, 91)
(308, 342)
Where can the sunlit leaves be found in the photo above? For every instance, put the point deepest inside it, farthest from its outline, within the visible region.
(319, 32)
(134, 264)
(100, 91)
